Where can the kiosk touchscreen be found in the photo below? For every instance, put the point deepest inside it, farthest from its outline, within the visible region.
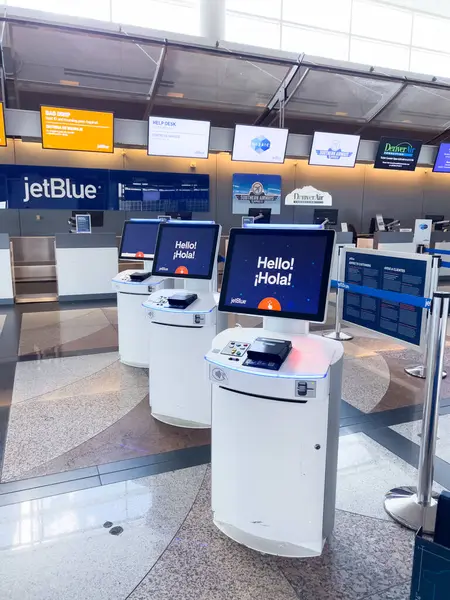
(183, 322)
(278, 272)
(186, 250)
(276, 393)
(133, 286)
(139, 239)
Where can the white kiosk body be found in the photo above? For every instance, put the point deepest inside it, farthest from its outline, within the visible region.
(133, 287)
(276, 426)
(179, 392)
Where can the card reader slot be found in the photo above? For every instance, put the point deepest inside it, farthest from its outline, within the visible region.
(262, 397)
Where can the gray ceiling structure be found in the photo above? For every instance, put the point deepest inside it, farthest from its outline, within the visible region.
(135, 72)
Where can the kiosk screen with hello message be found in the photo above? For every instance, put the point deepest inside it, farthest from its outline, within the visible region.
(278, 272)
(186, 249)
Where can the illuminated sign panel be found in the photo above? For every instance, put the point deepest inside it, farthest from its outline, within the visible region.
(74, 129)
(2, 126)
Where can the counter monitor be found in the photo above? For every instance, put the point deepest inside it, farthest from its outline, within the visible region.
(322, 214)
(139, 239)
(186, 250)
(278, 272)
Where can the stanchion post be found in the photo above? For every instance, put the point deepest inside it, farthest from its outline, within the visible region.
(416, 507)
(420, 371)
(337, 334)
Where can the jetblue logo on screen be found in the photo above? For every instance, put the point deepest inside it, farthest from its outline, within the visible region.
(56, 188)
(260, 144)
(164, 123)
(335, 152)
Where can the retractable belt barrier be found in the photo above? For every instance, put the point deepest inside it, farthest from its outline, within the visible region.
(364, 290)
(437, 251)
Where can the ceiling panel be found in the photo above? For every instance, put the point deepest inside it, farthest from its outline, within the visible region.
(418, 108)
(216, 82)
(38, 56)
(339, 97)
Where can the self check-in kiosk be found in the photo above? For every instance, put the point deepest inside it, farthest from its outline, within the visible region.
(133, 287)
(276, 394)
(183, 323)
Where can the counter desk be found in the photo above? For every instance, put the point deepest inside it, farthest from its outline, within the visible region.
(440, 240)
(6, 279)
(396, 241)
(85, 265)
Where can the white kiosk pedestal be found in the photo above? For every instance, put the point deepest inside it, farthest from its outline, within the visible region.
(275, 440)
(180, 394)
(132, 317)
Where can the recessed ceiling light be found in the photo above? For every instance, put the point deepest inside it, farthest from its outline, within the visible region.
(175, 94)
(341, 114)
(68, 82)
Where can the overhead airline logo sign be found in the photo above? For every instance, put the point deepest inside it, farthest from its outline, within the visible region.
(335, 150)
(397, 154)
(70, 129)
(308, 196)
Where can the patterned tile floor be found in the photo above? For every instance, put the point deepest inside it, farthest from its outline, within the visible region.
(78, 448)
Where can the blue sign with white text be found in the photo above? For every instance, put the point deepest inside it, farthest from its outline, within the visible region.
(38, 187)
(392, 274)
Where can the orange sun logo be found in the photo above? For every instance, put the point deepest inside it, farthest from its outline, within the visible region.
(182, 270)
(139, 255)
(269, 304)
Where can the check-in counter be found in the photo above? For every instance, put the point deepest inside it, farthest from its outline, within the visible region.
(440, 240)
(395, 241)
(343, 239)
(6, 279)
(85, 265)
(364, 241)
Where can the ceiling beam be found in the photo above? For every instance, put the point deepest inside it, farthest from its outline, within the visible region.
(155, 83)
(377, 112)
(281, 92)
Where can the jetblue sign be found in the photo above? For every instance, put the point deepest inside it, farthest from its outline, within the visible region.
(66, 188)
(55, 187)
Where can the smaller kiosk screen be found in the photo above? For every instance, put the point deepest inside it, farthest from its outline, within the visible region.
(278, 272)
(186, 250)
(138, 240)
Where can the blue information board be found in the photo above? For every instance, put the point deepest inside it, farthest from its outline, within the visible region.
(377, 270)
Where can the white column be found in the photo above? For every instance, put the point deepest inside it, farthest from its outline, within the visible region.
(212, 19)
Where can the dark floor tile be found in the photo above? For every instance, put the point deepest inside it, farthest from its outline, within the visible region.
(57, 352)
(186, 458)
(45, 480)
(186, 454)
